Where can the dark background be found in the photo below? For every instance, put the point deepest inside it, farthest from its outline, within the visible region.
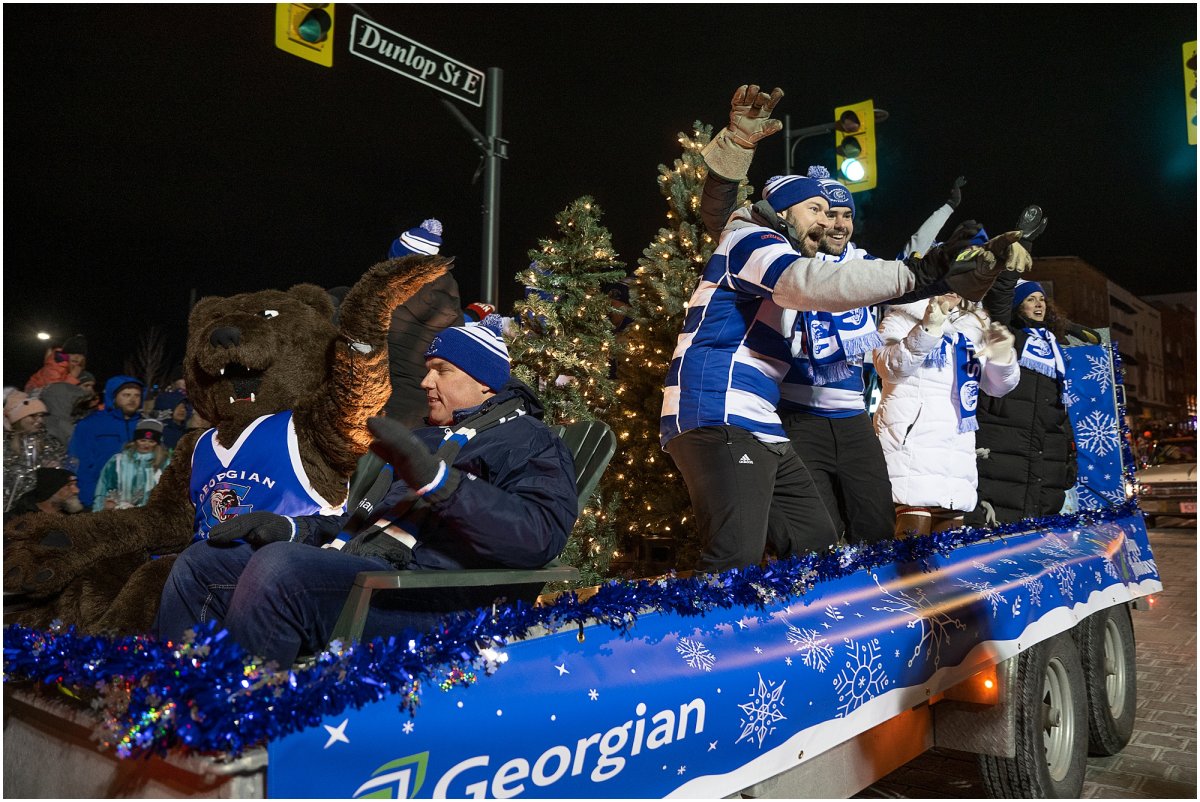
(152, 150)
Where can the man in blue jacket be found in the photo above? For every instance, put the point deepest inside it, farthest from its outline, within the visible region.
(105, 432)
(487, 485)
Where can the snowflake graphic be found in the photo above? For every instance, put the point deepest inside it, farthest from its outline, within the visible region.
(1065, 575)
(1056, 548)
(1016, 607)
(832, 611)
(1068, 395)
(762, 712)
(1100, 372)
(696, 654)
(862, 678)
(1097, 433)
(1007, 561)
(1033, 584)
(935, 625)
(985, 591)
(1137, 565)
(815, 651)
(1098, 578)
(987, 569)
(1110, 567)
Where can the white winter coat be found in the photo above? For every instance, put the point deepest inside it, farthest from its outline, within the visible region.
(929, 463)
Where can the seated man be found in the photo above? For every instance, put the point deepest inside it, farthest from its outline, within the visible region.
(487, 485)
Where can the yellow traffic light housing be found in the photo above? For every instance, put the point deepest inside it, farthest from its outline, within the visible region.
(305, 30)
(1189, 86)
(855, 145)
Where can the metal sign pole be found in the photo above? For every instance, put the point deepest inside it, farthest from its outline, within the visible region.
(497, 149)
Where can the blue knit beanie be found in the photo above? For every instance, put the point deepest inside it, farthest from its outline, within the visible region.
(783, 191)
(1023, 290)
(425, 240)
(478, 350)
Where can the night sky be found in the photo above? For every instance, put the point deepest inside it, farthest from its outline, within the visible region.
(152, 150)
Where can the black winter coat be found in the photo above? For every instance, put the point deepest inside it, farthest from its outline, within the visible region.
(1031, 451)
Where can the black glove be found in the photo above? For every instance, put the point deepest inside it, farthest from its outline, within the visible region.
(427, 475)
(956, 192)
(1088, 335)
(255, 528)
(377, 543)
(1031, 223)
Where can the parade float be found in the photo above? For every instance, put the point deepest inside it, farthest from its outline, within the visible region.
(808, 677)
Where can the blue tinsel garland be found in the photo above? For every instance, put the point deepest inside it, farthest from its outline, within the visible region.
(208, 695)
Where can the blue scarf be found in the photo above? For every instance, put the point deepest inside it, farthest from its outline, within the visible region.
(1041, 354)
(966, 377)
(830, 340)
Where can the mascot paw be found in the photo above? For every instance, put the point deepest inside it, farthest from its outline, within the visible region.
(40, 569)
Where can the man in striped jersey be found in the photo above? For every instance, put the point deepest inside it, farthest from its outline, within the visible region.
(719, 421)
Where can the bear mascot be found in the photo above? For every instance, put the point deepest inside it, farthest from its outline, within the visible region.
(288, 395)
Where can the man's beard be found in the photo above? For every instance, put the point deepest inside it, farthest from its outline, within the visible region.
(71, 505)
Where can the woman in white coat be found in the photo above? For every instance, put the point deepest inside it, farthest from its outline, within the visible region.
(936, 357)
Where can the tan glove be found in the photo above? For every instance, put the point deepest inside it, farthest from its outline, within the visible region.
(998, 344)
(750, 115)
(1019, 259)
(729, 153)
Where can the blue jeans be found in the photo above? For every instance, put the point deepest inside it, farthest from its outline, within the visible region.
(278, 599)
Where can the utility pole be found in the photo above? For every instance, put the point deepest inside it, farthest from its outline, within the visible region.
(493, 148)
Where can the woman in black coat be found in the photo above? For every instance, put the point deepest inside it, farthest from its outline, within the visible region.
(1027, 451)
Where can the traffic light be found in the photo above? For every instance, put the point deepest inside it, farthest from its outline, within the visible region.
(305, 30)
(855, 145)
(1189, 86)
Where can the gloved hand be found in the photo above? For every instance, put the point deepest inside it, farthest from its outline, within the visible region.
(961, 238)
(750, 115)
(1019, 259)
(956, 192)
(975, 269)
(427, 475)
(935, 316)
(256, 528)
(729, 153)
(998, 343)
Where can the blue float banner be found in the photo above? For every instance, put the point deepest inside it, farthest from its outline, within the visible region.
(1096, 420)
(705, 707)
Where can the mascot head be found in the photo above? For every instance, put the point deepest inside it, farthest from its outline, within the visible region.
(258, 353)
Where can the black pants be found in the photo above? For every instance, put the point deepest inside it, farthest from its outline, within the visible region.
(746, 494)
(846, 462)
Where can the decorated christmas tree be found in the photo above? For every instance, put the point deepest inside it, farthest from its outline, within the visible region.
(655, 516)
(564, 348)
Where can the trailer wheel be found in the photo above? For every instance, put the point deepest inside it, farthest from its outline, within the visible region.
(1051, 754)
(1109, 655)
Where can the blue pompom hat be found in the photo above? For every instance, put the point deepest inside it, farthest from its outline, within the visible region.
(784, 191)
(477, 350)
(424, 240)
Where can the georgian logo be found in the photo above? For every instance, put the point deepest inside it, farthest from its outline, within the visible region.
(968, 395)
(836, 194)
(226, 501)
(1039, 347)
(399, 779)
(855, 316)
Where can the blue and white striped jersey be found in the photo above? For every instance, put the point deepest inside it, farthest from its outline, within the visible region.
(735, 346)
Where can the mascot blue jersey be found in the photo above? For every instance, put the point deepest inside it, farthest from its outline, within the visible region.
(262, 471)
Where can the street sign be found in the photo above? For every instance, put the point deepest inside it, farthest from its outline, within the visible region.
(371, 41)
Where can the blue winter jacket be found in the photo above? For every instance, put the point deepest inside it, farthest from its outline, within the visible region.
(100, 435)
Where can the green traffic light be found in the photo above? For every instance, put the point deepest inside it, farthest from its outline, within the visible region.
(316, 24)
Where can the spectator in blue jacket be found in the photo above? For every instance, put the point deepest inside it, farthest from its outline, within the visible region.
(486, 485)
(105, 432)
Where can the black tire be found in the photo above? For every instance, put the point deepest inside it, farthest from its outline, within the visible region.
(1051, 698)
(1109, 655)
